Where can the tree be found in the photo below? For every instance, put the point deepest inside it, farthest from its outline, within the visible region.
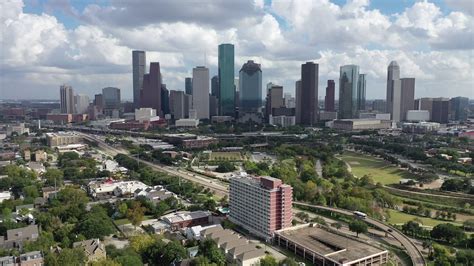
(225, 167)
(358, 227)
(123, 208)
(208, 248)
(268, 261)
(289, 262)
(336, 225)
(135, 213)
(96, 224)
(468, 224)
(140, 243)
(53, 177)
(448, 233)
(72, 257)
(105, 262)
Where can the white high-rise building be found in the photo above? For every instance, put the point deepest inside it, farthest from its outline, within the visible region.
(394, 91)
(66, 99)
(201, 83)
(139, 69)
(82, 103)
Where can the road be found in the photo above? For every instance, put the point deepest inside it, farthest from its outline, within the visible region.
(411, 248)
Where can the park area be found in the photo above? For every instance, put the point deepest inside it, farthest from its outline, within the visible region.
(225, 156)
(380, 170)
(397, 217)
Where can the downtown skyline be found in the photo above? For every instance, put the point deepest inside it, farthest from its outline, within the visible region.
(270, 34)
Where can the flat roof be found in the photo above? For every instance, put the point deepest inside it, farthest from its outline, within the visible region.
(330, 245)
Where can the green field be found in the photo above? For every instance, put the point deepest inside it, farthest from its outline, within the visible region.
(228, 156)
(380, 170)
(397, 217)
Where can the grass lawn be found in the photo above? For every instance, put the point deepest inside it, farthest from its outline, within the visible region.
(380, 170)
(397, 217)
(230, 156)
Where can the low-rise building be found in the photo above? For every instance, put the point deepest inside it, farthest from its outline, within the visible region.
(15, 238)
(18, 129)
(184, 219)
(361, 124)
(94, 249)
(282, 120)
(187, 122)
(33, 258)
(322, 247)
(5, 195)
(420, 128)
(62, 138)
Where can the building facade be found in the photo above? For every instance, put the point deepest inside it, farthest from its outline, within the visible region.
(274, 99)
(139, 70)
(361, 90)
(226, 79)
(348, 91)
(271, 202)
(188, 85)
(459, 108)
(201, 92)
(112, 100)
(177, 104)
(82, 103)
(298, 101)
(250, 87)
(66, 94)
(309, 93)
(329, 99)
(151, 92)
(440, 110)
(407, 96)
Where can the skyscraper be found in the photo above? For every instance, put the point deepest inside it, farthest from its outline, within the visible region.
(151, 92)
(407, 97)
(82, 103)
(361, 85)
(215, 86)
(459, 108)
(177, 104)
(139, 70)
(201, 92)
(274, 99)
(348, 91)
(298, 101)
(309, 93)
(329, 99)
(394, 88)
(440, 111)
(226, 79)
(66, 99)
(165, 100)
(188, 85)
(250, 79)
(111, 97)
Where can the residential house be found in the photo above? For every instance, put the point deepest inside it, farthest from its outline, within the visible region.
(94, 249)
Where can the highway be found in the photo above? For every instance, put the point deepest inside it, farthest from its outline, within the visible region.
(412, 250)
(222, 190)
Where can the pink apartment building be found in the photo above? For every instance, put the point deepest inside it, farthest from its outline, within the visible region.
(260, 205)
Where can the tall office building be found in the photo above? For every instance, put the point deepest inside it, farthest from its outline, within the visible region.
(111, 98)
(424, 104)
(66, 95)
(215, 86)
(82, 103)
(309, 93)
(298, 101)
(188, 105)
(226, 79)
(394, 90)
(379, 106)
(139, 70)
(165, 100)
(250, 87)
(151, 92)
(188, 85)
(407, 96)
(361, 86)
(260, 205)
(348, 91)
(177, 104)
(274, 99)
(201, 92)
(459, 108)
(329, 99)
(440, 110)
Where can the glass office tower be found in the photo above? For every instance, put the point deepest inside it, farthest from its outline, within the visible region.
(348, 84)
(226, 80)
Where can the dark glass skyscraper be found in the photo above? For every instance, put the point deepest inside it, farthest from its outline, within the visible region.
(188, 85)
(250, 84)
(309, 93)
(329, 99)
(139, 69)
(348, 84)
(165, 100)
(361, 85)
(459, 108)
(151, 92)
(226, 79)
(215, 86)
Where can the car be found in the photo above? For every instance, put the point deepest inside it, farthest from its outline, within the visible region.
(390, 230)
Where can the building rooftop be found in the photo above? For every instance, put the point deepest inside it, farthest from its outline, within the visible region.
(185, 216)
(330, 245)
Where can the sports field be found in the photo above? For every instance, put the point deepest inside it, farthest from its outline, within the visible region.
(228, 156)
(378, 169)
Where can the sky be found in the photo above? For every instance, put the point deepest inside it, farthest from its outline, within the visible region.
(88, 44)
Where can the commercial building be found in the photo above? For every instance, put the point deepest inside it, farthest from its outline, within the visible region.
(16, 238)
(349, 91)
(329, 99)
(187, 122)
(361, 124)
(274, 99)
(361, 90)
(66, 99)
(179, 220)
(418, 115)
(188, 85)
(201, 92)
(190, 140)
(226, 80)
(407, 96)
(420, 128)
(33, 258)
(440, 110)
(250, 85)
(298, 101)
(62, 138)
(379, 106)
(82, 103)
(282, 120)
(323, 247)
(400, 93)
(18, 129)
(165, 100)
(145, 114)
(112, 101)
(215, 86)
(151, 92)
(271, 202)
(459, 108)
(309, 94)
(139, 70)
(326, 116)
(177, 104)
(424, 104)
